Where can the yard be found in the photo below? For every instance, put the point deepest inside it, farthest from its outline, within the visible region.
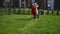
(25, 24)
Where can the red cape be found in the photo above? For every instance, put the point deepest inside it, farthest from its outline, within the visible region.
(33, 10)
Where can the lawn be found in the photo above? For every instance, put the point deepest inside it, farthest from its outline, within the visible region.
(25, 24)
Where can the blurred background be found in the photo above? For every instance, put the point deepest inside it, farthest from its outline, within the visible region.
(52, 4)
(13, 5)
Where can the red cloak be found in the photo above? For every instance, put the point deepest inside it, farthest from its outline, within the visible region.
(33, 10)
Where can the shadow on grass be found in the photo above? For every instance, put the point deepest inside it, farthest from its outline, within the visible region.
(26, 19)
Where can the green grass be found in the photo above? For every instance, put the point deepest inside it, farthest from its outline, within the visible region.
(25, 24)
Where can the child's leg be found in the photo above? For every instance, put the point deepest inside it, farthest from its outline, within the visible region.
(37, 16)
(34, 16)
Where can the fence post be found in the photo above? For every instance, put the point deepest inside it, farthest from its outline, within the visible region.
(52, 12)
(9, 10)
(1, 11)
(57, 12)
(42, 12)
(9, 7)
(14, 6)
(48, 12)
(19, 10)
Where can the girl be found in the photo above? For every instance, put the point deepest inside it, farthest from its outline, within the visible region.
(35, 10)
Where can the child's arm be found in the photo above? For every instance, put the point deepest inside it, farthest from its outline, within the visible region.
(37, 6)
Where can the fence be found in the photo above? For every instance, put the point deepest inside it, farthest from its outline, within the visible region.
(26, 11)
